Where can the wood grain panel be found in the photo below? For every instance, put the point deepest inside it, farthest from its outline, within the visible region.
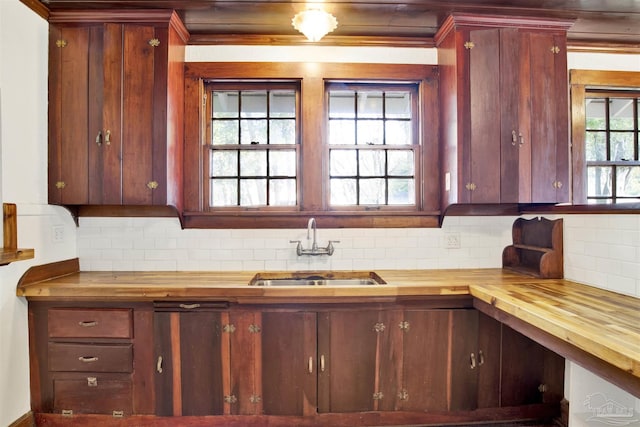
(90, 357)
(93, 323)
(104, 398)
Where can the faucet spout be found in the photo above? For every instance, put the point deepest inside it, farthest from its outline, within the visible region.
(312, 224)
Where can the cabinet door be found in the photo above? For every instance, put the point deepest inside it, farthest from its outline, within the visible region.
(140, 45)
(289, 363)
(241, 366)
(69, 140)
(482, 171)
(549, 118)
(426, 351)
(189, 365)
(347, 357)
(530, 373)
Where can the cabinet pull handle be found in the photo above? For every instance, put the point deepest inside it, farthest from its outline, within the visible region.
(189, 306)
(88, 323)
(107, 137)
(92, 382)
(310, 367)
(322, 363)
(473, 361)
(99, 138)
(480, 358)
(514, 138)
(88, 359)
(159, 365)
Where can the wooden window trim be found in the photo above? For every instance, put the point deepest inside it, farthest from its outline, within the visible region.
(580, 81)
(312, 77)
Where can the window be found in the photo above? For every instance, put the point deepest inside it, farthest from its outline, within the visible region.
(605, 115)
(253, 145)
(373, 144)
(269, 145)
(611, 146)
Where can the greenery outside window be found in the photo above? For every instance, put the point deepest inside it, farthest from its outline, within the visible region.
(372, 144)
(604, 141)
(253, 145)
(611, 143)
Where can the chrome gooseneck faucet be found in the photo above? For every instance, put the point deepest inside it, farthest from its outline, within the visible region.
(315, 250)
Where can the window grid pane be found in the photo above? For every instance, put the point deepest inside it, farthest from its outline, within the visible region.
(372, 149)
(612, 148)
(253, 150)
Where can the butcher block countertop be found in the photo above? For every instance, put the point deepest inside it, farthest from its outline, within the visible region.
(600, 323)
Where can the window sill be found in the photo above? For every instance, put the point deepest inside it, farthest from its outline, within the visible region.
(299, 220)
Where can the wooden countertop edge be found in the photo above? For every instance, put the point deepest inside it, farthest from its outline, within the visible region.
(626, 357)
(63, 280)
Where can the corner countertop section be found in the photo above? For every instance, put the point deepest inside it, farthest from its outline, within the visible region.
(604, 324)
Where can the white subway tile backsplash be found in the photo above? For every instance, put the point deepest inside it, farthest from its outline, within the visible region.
(600, 250)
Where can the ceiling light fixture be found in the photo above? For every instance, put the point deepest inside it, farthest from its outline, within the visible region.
(314, 23)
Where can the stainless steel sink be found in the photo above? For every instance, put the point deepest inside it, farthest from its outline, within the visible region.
(342, 278)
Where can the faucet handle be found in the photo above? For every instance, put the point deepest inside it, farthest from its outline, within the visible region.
(330, 247)
(298, 246)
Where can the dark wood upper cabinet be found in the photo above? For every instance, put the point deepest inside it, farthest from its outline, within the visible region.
(504, 110)
(116, 91)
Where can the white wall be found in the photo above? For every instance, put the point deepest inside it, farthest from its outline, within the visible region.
(23, 180)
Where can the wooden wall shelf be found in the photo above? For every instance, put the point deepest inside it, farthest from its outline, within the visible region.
(10, 252)
(537, 248)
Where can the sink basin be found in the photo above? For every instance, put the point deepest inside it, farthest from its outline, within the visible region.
(317, 278)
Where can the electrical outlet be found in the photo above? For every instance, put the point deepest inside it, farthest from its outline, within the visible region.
(452, 240)
(58, 233)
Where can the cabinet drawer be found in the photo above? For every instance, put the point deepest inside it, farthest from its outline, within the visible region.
(92, 395)
(66, 357)
(90, 323)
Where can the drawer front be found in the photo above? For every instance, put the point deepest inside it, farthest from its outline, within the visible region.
(90, 323)
(92, 395)
(66, 357)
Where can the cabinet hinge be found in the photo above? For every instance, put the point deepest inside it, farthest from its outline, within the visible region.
(67, 412)
(230, 399)
(378, 395)
(254, 329)
(379, 327)
(255, 398)
(403, 395)
(557, 184)
(469, 45)
(154, 42)
(92, 382)
(555, 49)
(61, 43)
(229, 328)
(60, 185)
(118, 414)
(470, 186)
(204, 100)
(404, 325)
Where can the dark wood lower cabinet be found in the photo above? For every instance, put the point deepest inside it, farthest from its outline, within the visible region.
(357, 364)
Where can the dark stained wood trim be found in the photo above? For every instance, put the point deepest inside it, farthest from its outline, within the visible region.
(139, 16)
(589, 46)
(477, 417)
(617, 209)
(468, 20)
(10, 251)
(40, 273)
(27, 420)
(594, 78)
(38, 7)
(299, 40)
(299, 220)
(611, 373)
